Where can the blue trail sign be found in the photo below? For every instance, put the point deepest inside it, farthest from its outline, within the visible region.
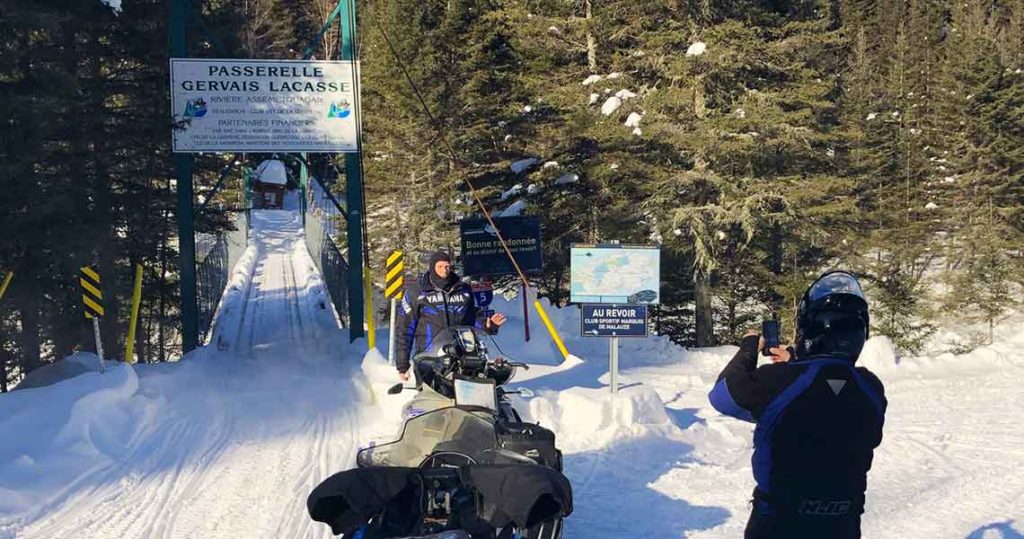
(482, 253)
(614, 321)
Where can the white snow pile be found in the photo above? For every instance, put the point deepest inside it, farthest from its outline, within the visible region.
(511, 192)
(614, 75)
(591, 80)
(272, 171)
(697, 48)
(611, 105)
(533, 189)
(871, 116)
(516, 208)
(523, 165)
(931, 206)
(567, 178)
(87, 418)
(625, 94)
(550, 164)
(113, 4)
(637, 131)
(594, 98)
(633, 120)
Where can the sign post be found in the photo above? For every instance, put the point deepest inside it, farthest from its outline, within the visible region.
(613, 360)
(526, 313)
(92, 301)
(614, 321)
(393, 280)
(615, 283)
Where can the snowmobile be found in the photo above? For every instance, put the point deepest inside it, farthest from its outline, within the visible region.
(465, 465)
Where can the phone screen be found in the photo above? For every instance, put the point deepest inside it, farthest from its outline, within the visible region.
(770, 332)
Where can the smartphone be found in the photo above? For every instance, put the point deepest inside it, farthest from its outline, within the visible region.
(770, 332)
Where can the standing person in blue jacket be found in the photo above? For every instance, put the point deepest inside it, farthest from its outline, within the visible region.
(819, 418)
(438, 300)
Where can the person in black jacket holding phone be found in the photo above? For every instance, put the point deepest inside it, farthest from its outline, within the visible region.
(819, 418)
(439, 300)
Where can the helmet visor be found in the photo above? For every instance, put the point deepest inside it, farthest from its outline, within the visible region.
(838, 282)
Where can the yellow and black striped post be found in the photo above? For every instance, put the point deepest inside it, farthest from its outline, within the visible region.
(394, 275)
(394, 271)
(92, 303)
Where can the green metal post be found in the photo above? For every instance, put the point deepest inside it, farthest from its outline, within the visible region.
(247, 188)
(183, 166)
(303, 183)
(353, 186)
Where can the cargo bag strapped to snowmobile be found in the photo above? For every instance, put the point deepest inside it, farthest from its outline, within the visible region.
(476, 499)
(530, 440)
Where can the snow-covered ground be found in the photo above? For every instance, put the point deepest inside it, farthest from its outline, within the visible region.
(229, 441)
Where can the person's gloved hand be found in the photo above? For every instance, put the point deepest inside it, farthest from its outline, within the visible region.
(779, 354)
(496, 320)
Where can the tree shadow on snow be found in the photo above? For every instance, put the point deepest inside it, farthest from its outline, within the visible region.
(613, 496)
(1004, 530)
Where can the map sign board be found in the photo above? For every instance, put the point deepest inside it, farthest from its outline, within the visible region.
(615, 274)
(263, 105)
(482, 253)
(614, 321)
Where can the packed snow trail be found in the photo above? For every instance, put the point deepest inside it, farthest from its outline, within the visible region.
(226, 443)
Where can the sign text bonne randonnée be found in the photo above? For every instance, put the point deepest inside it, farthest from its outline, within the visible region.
(263, 105)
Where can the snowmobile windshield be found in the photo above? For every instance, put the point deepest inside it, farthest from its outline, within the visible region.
(838, 282)
(452, 430)
(456, 341)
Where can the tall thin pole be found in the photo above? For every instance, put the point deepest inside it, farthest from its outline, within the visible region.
(353, 182)
(183, 166)
(303, 187)
(391, 334)
(99, 342)
(129, 353)
(613, 360)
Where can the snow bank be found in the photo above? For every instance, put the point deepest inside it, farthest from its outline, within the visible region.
(58, 371)
(62, 430)
(594, 416)
(377, 377)
(232, 301)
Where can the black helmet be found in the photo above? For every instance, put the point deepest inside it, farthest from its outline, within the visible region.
(832, 318)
